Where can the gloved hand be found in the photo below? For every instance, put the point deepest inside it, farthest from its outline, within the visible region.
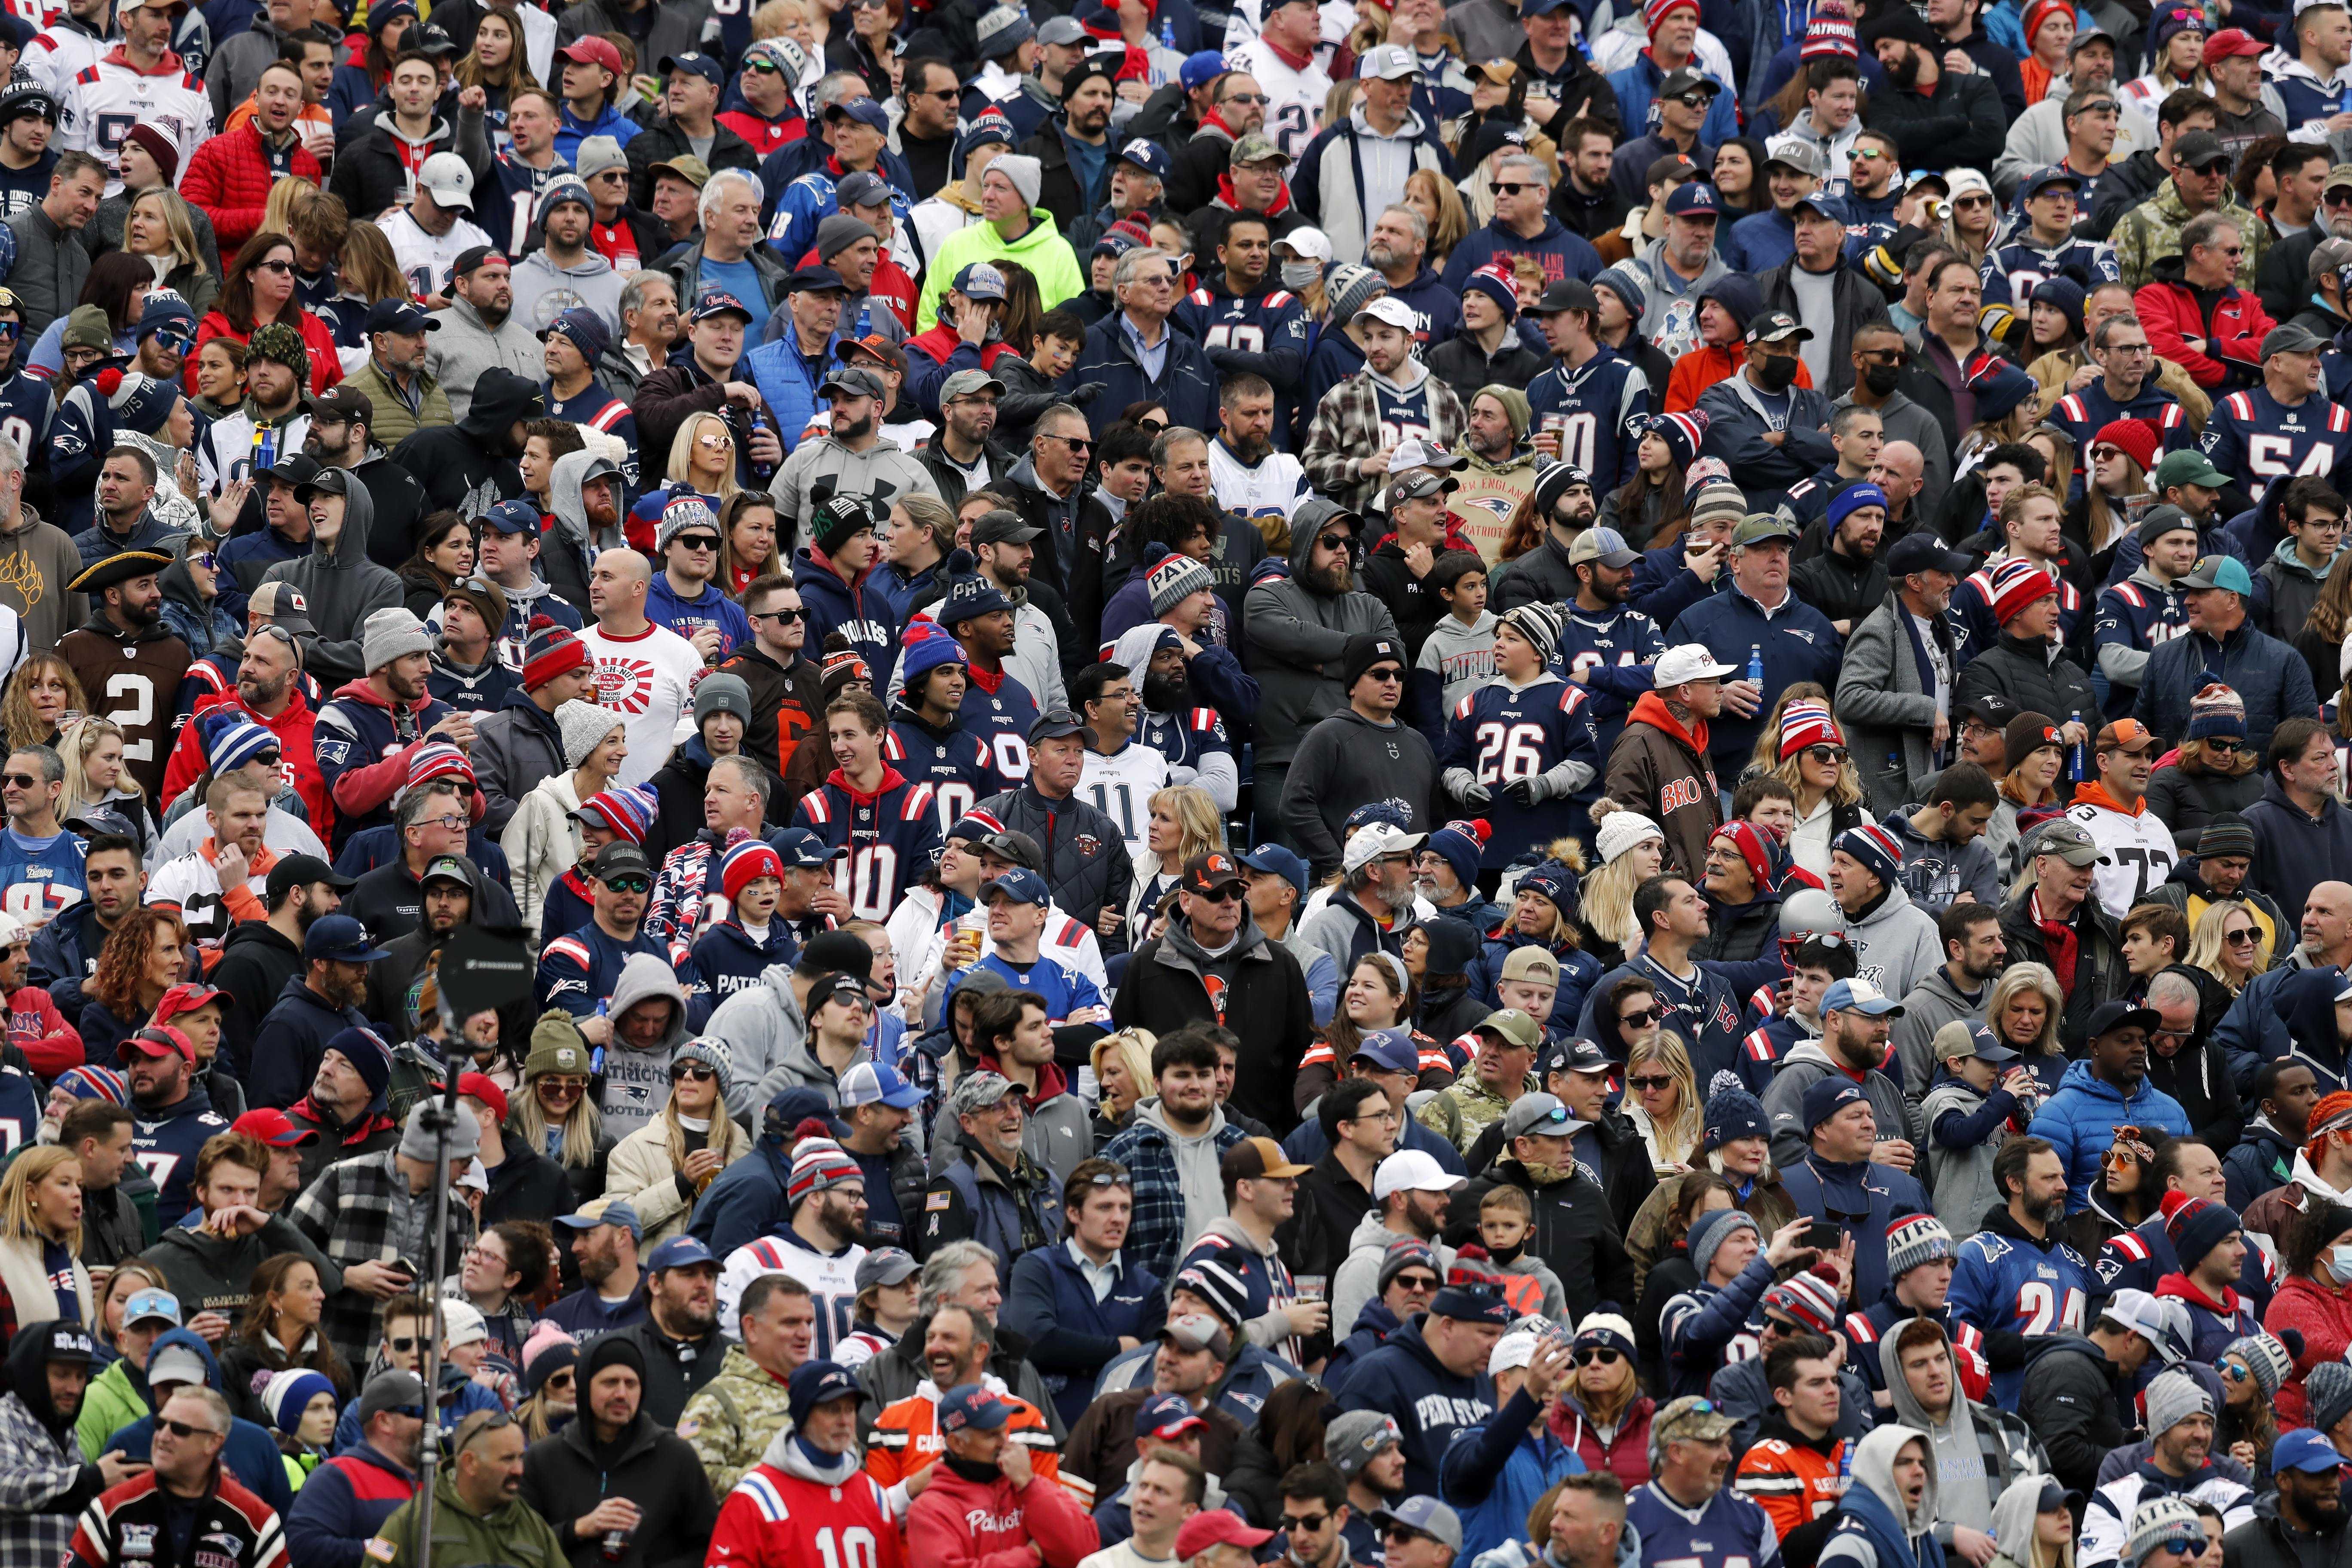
(1533, 789)
(1086, 392)
(1463, 785)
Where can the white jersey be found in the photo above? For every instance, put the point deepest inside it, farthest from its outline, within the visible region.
(426, 260)
(60, 52)
(103, 102)
(648, 680)
(2138, 853)
(190, 884)
(831, 1280)
(1293, 98)
(1335, 19)
(1273, 489)
(1121, 785)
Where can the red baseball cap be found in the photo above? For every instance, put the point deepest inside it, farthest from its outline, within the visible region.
(275, 1128)
(483, 1087)
(593, 50)
(184, 997)
(157, 1040)
(1216, 1527)
(2221, 46)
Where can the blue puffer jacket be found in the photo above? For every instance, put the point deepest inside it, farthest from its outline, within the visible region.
(251, 1453)
(2080, 1123)
(1578, 970)
(1405, 1379)
(2272, 678)
(1071, 1335)
(1497, 1469)
(2253, 1031)
(784, 378)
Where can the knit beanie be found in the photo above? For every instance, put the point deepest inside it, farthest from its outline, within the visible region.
(2162, 1520)
(842, 665)
(1621, 830)
(2196, 1226)
(1657, 11)
(2327, 1394)
(1356, 1437)
(583, 726)
(548, 1352)
(2136, 436)
(1497, 282)
(2270, 1358)
(820, 1164)
(2227, 834)
(392, 633)
(703, 1051)
(1539, 623)
(836, 522)
(2173, 1397)
(556, 1047)
(1461, 845)
(1804, 724)
(1171, 577)
(1401, 1253)
(1025, 172)
(927, 648)
(1811, 1298)
(1682, 432)
(1349, 288)
(160, 147)
(549, 651)
(368, 1055)
(1829, 38)
(139, 403)
(1716, 499)
(838, 233)
(746, 864)
(1515, 407)
(2025, 735)
(627, 812)
(233, 741)
(289, 1393)
(2062, 294)
(2216, 710)
(1711, 1230)
(2016, 584)
(281, 344)
(91, 1082)
(1880, 852)
(1621, 281)
(1606, 1327)
(1732, 1113)
(1914, 1241)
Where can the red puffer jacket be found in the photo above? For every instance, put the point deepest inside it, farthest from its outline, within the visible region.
(1626, 1455)
(2324, 1319)
(958, 1523)
(2167, 308)
(229, 176)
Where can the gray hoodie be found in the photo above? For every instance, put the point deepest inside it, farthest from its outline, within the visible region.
(767, 1045)
(543, 291)
(1963, 1495)
(344, 588)
(463, 346)
(1896, 943)
(1930, 1004)
(2014, 1517)
(1357, 1280)
(1670, 319)
(824, 466)
(637, 1083)
(1874, 1466)
(1297, 637)
(1196, 1158)
(1805, 1066)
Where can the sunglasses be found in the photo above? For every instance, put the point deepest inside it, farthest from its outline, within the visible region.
(1422, 1283)
(406, 1344)
(2234, 938)
(692, 1074)
(786, 617)
(1335, 541)
(1312, 1522)
(273, 267)
(2338, 197)
(20, 781)
(1600, 1354)
(558, 1380)
(1513, 187)
(565, 1085)
(11, 331)
(1696, 100)
(629, 884)
(1643, 1017)
(1826, 753)
(697, 541)
(182, 1429)
(1078, 443)
(1219, 895)
(1397, 1532)
(173, 342)
(1383, 676)
(1245, 98)
(715, 443)
(1647, 1082)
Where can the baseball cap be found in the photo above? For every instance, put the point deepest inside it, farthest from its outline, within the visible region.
(449, 179)
(2226, 571)
(1538, 1115)
(1860, 996)
(275, 1128)
(718, 302)
(1276, 860)
(1692, 198)
(1390, 1049)
(300, 871)
(2127, 735)
(1968, 1039)
(878, 1083)
(1055, 724)
(680, 1252)
(1217, 1527)
(885, 1266)
(1166, 1415)
(1413, 1171)
(2110, 1016)
(971, 1407)
(1390, 310)
(1513, 1026)
(1254, 1159)
(1686, 662)
(606, 1211)
(1777, 327)
(1690, 1419)
(1604, 546)
(2069, 841)
(1424, 1515)
(1387, 62)
(1212, 872)
(151, 1306)
(402, 315)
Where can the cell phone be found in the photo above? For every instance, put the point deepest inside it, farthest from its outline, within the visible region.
(1824, 1235)
(406, 1266)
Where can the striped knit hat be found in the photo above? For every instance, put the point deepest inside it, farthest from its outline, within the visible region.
(96, 1083)
(437, 759)
(1806, 724)
(2161, 1521)
(551, 650)
(234, 741)
(819, 1164)
(842, 666)
(1914, 1241)
(1829, 38)
(2271, 1358)
(747, 863)
(2017, 584)
(1172, 578)
(1880, 852)
(1811, 1298)
(627, 812)
(1682, 432)
(1657, 11)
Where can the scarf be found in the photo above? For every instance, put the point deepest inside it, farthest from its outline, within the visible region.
(2058, 938)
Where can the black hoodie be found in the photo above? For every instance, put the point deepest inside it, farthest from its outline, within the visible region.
(29, 1385)
(466, 466)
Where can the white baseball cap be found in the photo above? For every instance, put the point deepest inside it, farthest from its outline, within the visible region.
(1375, 839)
(1312, 244)
(1686, 662)
(1413, 1171)
(1513, 1351)
(446, 175)
(1390, 309)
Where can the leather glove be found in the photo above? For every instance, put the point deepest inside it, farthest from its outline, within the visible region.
(1526, 791)
(1463, 785)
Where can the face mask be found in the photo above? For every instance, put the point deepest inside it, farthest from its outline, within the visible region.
(1880, 378)
(1776, 373)
(1507, 1254)
(2339, 1262)
(1298, 275)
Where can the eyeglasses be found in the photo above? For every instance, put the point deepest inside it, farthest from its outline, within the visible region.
(1600, 1354)
(182, 1429)
(786, 617)
(1649, 1081)
(697, 540)
(1313, 1523)
(564, 1085)
(19, 781)
(451, 823)
(944, 94)
(1079, 443)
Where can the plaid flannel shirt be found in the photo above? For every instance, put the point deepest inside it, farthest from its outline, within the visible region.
(347, 1214)
(37, 1473)
(1347, 426)
(1155, 1235)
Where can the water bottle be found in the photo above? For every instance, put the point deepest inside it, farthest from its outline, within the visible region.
(2076, 763)
(1756, 664)
(614, 1545)
(1167, 33)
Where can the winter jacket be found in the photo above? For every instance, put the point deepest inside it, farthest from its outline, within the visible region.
(1186, 386)
(565, 1475)
(1404, 1379)
(250, 1454)
(464, 345)
(2099, 972)
(51, 267)
(396, 421)
(342, 588)
(45, 1481)
(2261, 1160)
(344, 1503)
(1795, 640)
(2187, 802)
(1576, 1231)
(2174, 313)
(2293, 850)
(1888, 709)
(1866, 1197)
(372, 168)
(994, 1523)
(1665, 773)
(1497, 1469)
(1855, 302)
(2080, 1120)
(515, 748)
(1806, 1066)
(2147, 233)
(898, 1373)
(1961, 123)
(1259, 992)
(1297, 637)
(209, 1274)
(1071, 1334)
(229, 176)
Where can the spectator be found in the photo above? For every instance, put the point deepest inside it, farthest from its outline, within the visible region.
(1571, 1227)
(482, 1504)
(1736, 429)
(1362, 752)
(186, 1471)
(346, 1501)
(1840, 1174)
(738, 1413)
(1685, 1499)
(2157, 228)
(2302, 833)
(1439, 1357)
(655, 1493)
(990, 1500)
(2107, 1088)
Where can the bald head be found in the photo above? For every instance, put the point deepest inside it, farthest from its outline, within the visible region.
(1902, 469)
(2328, 921)
(616, 590)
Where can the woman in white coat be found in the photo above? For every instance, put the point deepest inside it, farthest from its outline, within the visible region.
(41, 1272)
(541, 841)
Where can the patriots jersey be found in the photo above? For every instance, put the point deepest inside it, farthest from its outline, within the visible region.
(2012, 272)
(1614, 654)
(1727, 1531)
(1978, 629)
(1407, 414)
(1273, 489)
(2254, 438)
(167, 1151)
(26, 402)
(1272, 323)
(2083, 415)
(1184, 738)
(832, 1280)
(597, 410)
(891, 836)
(2002, 1285)
(20, 1100)
(1062, 989)
(101, 104)
(1598, 404)
(1001, 719)
(38, 877)
(1501, 734)
(510, 221)
(954, 764)
(1122, 784)
(578, 970)
(2135, 616)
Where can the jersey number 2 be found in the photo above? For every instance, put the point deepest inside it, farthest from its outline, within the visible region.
(135, 718)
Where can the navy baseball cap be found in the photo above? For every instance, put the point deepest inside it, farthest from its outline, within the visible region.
(864, 110)
(797, 847)
(1166, 1415)
(699, 64)
(1021, 885)
(1392, 1050)
(816, 1383)
(1147, 155)
(718, 302)
(1576, 1056)
(339, 938)
(1280, 862)
(399, 316)
(860, 189)
(516, 516)
(970, 1407)
(1692, 198)
(680, 1252)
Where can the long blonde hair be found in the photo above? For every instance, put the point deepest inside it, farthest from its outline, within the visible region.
(681, 462)
(2034, 977)
(1678, 1138)
(1133, 1049)
(179, 228)
(1199, 827)
(1764, 757)
(23, 726)
(278, 213)
(2205, 945)
(1608, 899)
(1452, 217)
(27, 1170)
(74, 745)
(582, 1133)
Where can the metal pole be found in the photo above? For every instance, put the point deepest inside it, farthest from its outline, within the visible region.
(435, 1265)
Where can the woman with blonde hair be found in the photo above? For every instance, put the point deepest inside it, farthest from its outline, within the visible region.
(1433, 195)
(159, 230)
(541, 840)
(1183, 821)
(1813, 762)
(96, 779)
(2023, 1011)
(686, 1146)
(1122, 1067)
(42, 693)
(1633, 849)
(130, 1276)
(1662, 1097)
(366, 272)
(555, 1114)
(2213, 774)
(702, 459)
(278, 212)
(40, 1241)
(2229, 943)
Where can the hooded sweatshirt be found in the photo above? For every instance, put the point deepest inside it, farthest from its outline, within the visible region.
(342, 588)
(1959, 1466)
(1662, 771)
(1873, 1529)
(2014, 1517)
(637, 1083)
(1197, 1161)
(48, 1482)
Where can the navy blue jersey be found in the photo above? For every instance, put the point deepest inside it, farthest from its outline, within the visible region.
(2254, 438)
(1001, 719)
(578, 970)
(955, 763)
(1601, 403)
(1501, 734)
(2135, 616)
(1269, 326)
(507, 219)
(1064, 990)
(1184, 737)
(2013, 271)
(514, 634)
(2002, 1286)
(597, 410)
(20, 1102)
(26, 403)
(167, 1151)
(38, 877)
(1727, 1531)
(891, 836)
(2083, 415)
(1977, 628)
(1407, 416)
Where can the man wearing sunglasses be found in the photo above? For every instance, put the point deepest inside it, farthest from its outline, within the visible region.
(578, 972)
(190, 1477)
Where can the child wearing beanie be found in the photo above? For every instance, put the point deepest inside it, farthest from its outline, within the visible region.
(302, 1410)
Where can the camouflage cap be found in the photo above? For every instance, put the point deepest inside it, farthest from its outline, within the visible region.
(1256, 147)
(1689, 1419)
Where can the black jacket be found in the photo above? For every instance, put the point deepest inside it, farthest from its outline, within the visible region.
(1540, 576)
(2124, 186)
(526, 1185)
(2071, 1400)
(662, 140)
(291, 1039)
(566, 1475)
(1960, 123)
(2100, 975)
(2262, 1543)
(1001, 460)
(1841, 588)
(1264, 1000)
(2039, 678)
(1574, 1232)
(256, 961)
(1087, 865)
(1626, 1171)
(1465, 367)
(676, 1369)
(1332, 1203)
(370, 177)
(1856, 301)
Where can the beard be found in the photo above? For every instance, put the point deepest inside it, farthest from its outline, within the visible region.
(1485, 447)
(856, 430)
(1167, 693)
(1251, 451)
(1329, 581)
(145, 614)
(1906, 75)
(1380, 256)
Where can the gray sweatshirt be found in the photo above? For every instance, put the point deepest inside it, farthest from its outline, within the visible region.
(1460, 658)
(1196, 1169)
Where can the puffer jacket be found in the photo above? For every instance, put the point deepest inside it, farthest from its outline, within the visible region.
(1086, 863)
(2080, 1121)
(1297, 636)
(342, 588)
(2174, 315)
(2039, 678)
(2269, 677)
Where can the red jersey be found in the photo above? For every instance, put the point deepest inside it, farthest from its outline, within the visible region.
(794, 1515)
